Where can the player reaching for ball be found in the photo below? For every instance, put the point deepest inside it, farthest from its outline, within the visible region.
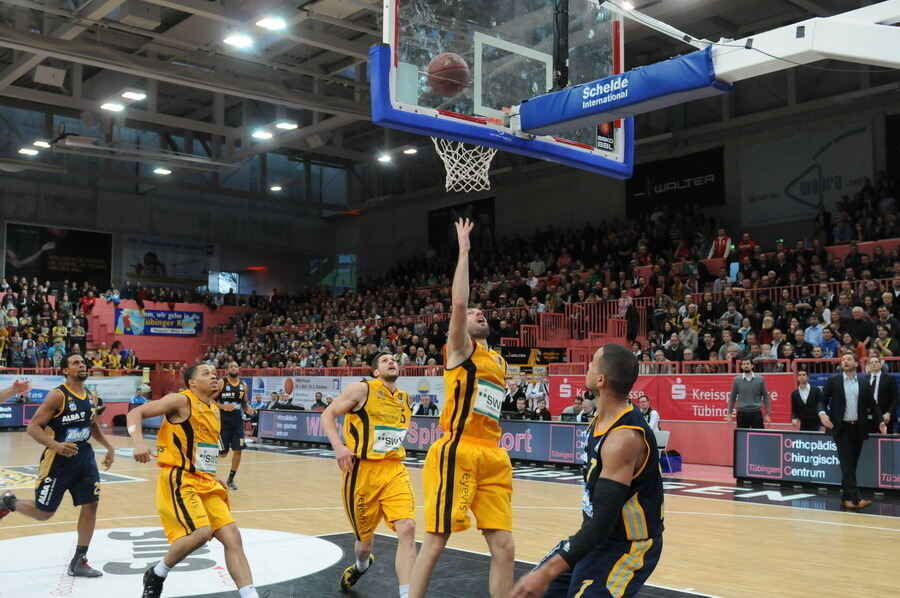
(466, 469)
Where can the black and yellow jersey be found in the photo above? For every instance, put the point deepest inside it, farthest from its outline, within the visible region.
(474, 392)
(191, 445)
(376, 430)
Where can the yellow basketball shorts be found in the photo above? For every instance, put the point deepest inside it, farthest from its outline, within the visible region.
(462, 474)
(376, 489)
(187, 502)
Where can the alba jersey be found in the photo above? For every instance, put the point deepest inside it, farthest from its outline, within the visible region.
(474, 396)
(377, 429)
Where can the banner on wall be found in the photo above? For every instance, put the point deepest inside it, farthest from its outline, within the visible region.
(533, 355)
(108, 388)
(302, 389)
(158, 322)
(788, 179)
(171, 261)
(695, 179)
(526, 440)
(698, 397)
(57, 254)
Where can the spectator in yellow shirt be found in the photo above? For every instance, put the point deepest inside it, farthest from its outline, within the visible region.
(60, 332)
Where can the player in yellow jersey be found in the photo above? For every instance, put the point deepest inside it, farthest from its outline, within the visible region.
(466, 470)
(192, 503)
(376, 483)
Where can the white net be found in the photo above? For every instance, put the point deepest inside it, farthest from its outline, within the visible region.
(467, 166)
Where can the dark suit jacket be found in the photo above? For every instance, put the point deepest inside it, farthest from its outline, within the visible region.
(809, 410)
(887, 393)
(834, 403)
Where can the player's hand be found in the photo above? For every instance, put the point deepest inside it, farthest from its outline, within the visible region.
(882, 428)
(887, 418)
(108, 459)
(222, 483)
(767, 418)
(795, 422)
(141, 453)
(464, 227)
(228, 407)
(530, 586)
(826, 421)
(21, 386)
(250, 410)
(345, 458)
(66, 449)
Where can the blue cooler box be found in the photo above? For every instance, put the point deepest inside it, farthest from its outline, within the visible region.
(670, 464)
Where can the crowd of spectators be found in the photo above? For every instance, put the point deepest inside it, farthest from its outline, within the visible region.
(516, 279)
(41, 322)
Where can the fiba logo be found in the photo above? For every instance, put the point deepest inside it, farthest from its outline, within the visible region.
(565, 389)
(679, 390)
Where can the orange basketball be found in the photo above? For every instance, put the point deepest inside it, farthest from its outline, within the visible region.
(448, 74)
(288, 386)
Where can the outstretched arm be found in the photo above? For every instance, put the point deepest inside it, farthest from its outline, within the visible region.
(172, 404)
(458, 340)
(18, 387)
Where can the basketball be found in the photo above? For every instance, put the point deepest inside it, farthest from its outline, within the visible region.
(448, 74)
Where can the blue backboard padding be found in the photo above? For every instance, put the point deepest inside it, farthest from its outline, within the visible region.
(385, 115)
(658, 85)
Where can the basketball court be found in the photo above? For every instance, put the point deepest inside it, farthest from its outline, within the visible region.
(297, 538)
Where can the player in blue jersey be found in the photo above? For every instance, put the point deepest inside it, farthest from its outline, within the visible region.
(620, 539)
(64, 423)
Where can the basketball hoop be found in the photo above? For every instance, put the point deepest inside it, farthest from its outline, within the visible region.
(467, 166)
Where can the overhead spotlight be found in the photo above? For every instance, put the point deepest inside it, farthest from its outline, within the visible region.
(286, 125)
(134, 95)
(41, 144)
(384, 158)
(275, 188)
(162, 171)
(239, 40)
(29, 151)
(627, 5)
(272, 23)
(261, 134)
(410, 151)
(112, 106)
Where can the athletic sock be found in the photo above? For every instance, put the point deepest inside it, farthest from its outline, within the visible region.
(80, 551)
(404, 591)
(361, 566)
(161, 570)
(248, 592)
(231, 476)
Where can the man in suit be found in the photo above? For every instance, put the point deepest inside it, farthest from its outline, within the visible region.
(846, 402)
(884, 388)
(805, 404)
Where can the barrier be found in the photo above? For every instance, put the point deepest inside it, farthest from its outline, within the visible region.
(811, 458)
(542, 442)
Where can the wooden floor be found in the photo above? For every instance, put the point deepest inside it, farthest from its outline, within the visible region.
(715, 547)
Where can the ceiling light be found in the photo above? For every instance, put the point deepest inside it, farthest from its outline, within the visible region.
(112, 107)
(29, 151)
(162, 171)
(272, 23)
(410, 151)
(41, 143)
(286, 125)
(384, 158)
(628, 6)
(239, 40)
(261, 134)
(134, 95)
(275, 188)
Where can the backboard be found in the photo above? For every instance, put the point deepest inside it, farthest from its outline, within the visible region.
(508, 47)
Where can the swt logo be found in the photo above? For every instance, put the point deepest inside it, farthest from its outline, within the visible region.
(679, 390)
